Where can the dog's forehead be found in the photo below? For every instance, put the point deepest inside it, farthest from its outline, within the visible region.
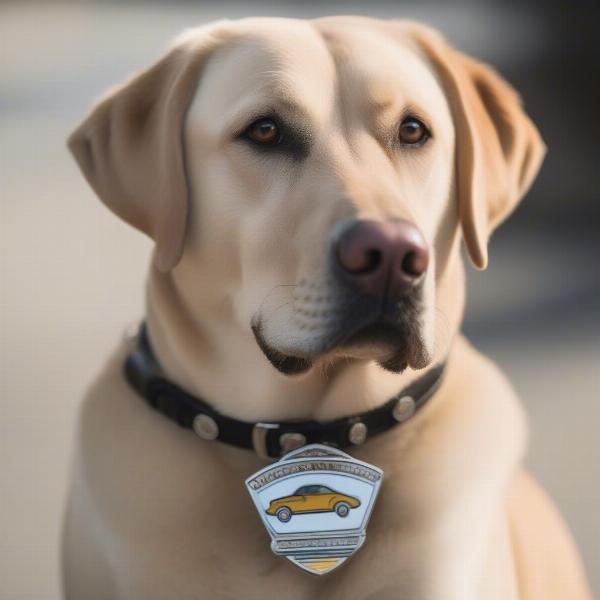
(273, 59)
(313, 64)
(379, 62)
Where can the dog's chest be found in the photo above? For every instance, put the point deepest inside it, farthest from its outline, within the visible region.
(216, 547)
(229, 552)
(197, 534)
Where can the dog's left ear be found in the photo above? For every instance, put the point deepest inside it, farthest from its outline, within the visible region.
(498, 149)
(130, 148)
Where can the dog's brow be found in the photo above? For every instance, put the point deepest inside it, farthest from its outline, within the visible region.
(381, 95)
(296, 114)
(283, 101)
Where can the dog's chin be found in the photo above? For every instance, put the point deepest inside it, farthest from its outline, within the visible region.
(390, 346)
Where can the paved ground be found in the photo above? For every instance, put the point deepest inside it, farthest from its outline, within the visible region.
(71, 279)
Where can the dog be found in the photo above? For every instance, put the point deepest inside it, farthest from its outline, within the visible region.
(307, 185)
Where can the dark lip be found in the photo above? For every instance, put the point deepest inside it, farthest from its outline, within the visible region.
(393, 326)
(379, 331)
(284, 363)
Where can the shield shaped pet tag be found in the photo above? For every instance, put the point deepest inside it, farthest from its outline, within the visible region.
(315, 503)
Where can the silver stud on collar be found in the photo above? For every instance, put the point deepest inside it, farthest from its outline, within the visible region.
(358, 433)
(290, 441)
(404, 409)
(206, 427)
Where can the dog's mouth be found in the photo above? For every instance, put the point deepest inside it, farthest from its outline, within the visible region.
(392, 338)
(393, 345)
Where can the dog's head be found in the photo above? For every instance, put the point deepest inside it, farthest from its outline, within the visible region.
(312, 176)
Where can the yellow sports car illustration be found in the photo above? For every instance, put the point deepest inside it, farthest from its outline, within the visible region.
(312, 499)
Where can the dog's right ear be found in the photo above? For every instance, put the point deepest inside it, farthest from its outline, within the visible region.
(130, 148)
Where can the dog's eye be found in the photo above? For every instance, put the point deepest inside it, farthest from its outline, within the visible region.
(413, 132)
(264, 132)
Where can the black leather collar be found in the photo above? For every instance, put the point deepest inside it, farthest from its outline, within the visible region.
(268, 439)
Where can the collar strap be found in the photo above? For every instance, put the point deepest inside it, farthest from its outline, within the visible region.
(268, 439)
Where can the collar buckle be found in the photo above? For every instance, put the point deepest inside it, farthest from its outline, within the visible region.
(259, 439)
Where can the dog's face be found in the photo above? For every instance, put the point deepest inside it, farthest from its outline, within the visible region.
(322, 172)
(285, 151)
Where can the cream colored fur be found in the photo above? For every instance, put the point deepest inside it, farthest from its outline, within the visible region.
(155, 512)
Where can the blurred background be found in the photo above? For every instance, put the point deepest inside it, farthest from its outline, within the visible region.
(71, 275)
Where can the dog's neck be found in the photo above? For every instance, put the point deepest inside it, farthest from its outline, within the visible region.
(219, 361)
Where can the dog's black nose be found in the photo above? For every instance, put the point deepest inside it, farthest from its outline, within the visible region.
(381, 257)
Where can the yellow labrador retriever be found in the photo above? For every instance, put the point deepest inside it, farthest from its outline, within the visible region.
(307, 185)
